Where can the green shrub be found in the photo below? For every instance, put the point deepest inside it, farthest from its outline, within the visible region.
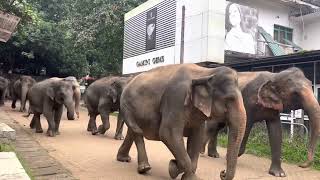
(293, 151)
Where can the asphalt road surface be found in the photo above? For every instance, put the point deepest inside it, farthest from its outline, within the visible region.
(91, 157)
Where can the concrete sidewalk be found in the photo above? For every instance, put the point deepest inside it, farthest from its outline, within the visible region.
(34, 156)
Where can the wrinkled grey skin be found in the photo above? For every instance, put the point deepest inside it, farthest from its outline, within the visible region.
(20, 90)
(173, 101)
(4, 83)
(103, 97)
(76, 92)
(265, 96)
(48, 97)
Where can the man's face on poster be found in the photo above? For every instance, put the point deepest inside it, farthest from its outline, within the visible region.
(234, 15)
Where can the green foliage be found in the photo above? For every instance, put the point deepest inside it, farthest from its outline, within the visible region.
(293, 151)
(67, 37)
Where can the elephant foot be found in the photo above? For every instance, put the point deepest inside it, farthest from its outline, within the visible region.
(50, 133)
(214, 154)
(94, 131)
(57, 132)
(278, 172)
(143, 167)
(241, 152)
(173, 169)
(32, 125)
(223, 175)
(118, 137)
(306, 164)
(89, 129)
(191, 176)
(1, 103)
(22, 110)
(102, 129)
(13, 106)
(39, 131)
(121, 158)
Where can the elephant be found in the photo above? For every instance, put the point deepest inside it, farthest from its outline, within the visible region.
(103, 97)
(76, 92)
(20, 89)
(265, 95)
(170, 102)
(4, 83)
(48, 97)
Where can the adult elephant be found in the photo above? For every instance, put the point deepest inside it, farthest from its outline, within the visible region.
(20, 90)
(76, 91)
(103, 97)
(173, 101)
(48, 97)
(4, 83)
(265, 96)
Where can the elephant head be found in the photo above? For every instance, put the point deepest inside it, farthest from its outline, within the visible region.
(76, 93)
(218, 97)
(26, 83)
(61, 92)
(291, 90)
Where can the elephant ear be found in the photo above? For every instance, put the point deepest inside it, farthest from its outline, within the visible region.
(111, 92)
(199, 95)
(268, 96)
(50, 93)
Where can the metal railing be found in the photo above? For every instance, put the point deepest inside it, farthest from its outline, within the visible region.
(291, 118)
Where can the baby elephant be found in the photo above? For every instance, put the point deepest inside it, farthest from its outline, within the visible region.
(103, 97)
(4, 83)
(48, 97)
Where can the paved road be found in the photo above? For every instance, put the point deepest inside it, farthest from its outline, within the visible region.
(94, 157)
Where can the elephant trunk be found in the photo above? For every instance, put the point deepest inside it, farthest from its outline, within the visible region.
(237, 123)
(24, 91)
(312, 108)
(77, 98)
(70, 110)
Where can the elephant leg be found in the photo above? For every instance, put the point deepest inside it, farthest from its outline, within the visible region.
(120, 122)
(37, 122)
(57, 118)
(3, 93)
(182, 162)
(51, 124)
(123, 152)
(194, 145)
(275, 139)
(105, 122)
(212, 146)
(245, 137)
(14, 100)
(143, 163)
(33, 122)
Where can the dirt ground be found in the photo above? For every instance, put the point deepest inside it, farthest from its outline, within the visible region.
(91, 157)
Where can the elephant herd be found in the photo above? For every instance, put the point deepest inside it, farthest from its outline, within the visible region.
(171, 102)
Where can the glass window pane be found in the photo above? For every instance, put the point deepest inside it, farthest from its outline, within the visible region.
(307, 69)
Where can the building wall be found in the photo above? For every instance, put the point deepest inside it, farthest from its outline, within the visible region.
(311, 40)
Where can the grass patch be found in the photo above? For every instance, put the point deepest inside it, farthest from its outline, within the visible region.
(294, 151)
(10, 148)
(114, 114)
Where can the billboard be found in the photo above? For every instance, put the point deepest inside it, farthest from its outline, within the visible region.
(241, 28)
(8, 24)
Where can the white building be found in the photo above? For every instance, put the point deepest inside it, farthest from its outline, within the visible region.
(153, 30)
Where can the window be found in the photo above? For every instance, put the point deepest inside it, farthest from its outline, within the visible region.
(282, 33)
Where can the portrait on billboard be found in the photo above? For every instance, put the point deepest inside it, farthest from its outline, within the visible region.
(151, 29)
(241, 28)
